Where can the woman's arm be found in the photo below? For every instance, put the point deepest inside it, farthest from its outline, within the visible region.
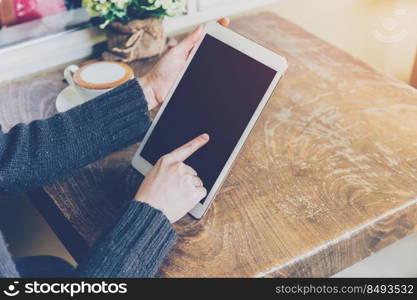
(142, 236)
(138, 242)
(44, 151)
(135, 246)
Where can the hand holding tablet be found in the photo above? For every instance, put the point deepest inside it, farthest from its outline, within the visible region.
(227, 82)
(164, 74)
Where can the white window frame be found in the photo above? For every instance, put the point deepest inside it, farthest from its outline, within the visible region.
(49, 52)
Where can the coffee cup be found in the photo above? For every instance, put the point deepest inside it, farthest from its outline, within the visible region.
(95, 79)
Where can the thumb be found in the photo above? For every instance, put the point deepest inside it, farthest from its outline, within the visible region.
(193, 38)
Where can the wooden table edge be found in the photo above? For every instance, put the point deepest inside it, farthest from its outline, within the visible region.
(77, 246)
(371, 235)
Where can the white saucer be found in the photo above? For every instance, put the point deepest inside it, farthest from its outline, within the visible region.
(68, 98)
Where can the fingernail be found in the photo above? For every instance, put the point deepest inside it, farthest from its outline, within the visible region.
(205, 136)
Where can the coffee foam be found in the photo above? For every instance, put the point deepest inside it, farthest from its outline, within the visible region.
(102, 73)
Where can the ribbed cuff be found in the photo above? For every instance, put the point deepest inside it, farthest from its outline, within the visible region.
(123, 112)
(134, 247)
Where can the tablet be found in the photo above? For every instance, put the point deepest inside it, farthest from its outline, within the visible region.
(227, 83)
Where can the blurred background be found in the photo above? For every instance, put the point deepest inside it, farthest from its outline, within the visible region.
(382, 33)
(46, 34)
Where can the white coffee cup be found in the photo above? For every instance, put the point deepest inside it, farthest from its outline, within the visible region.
(97, 78)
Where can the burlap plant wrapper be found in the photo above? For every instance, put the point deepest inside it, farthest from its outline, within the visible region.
(135, 40)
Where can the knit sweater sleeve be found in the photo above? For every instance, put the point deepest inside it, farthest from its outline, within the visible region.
(42, 152)
(7, 267)
(135, 246)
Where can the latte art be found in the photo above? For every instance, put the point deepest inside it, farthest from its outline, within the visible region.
(103, 73)
(97, 78)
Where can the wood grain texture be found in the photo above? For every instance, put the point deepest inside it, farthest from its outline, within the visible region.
(413, 81)
(327, 177)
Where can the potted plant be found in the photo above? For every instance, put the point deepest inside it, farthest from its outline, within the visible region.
(134, 27)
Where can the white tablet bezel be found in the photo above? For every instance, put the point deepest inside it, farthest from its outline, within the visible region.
(249, 48)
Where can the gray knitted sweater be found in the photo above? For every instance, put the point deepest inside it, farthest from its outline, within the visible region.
(45, 151)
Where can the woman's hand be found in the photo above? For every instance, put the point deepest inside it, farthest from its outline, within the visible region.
(159, 81)
(173, 187)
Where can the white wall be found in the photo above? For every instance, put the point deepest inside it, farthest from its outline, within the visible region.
(383, 33)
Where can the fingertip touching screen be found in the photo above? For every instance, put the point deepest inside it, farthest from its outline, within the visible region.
(218, 95)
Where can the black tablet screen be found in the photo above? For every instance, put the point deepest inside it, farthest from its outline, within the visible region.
(218, 95)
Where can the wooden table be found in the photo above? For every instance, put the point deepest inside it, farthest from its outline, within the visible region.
(327, 177)
(413, 80)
